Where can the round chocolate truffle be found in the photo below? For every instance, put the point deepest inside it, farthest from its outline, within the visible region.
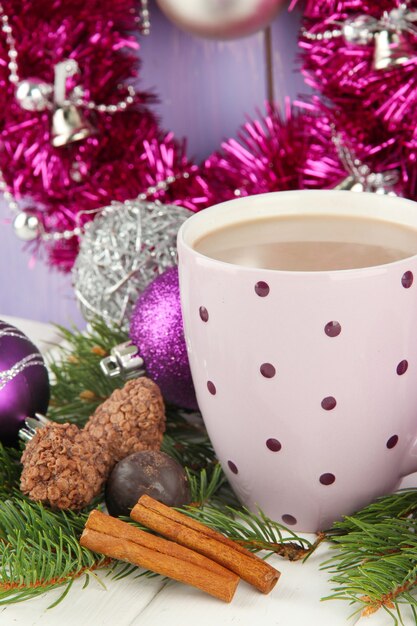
(151, 472)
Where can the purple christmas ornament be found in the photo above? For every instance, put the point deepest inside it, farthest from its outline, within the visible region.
(156, 328)
(24, 383)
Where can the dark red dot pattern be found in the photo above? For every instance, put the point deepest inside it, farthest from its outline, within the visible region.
(407, 279)
(262, 289)
(267, 370)
(402, 367)
(392, 442)
(211, 387)
(273, 444)
(328, 403)
(332, 329)
(203, 313)
(327, 479)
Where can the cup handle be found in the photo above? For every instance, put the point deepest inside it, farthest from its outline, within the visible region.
(409, 464)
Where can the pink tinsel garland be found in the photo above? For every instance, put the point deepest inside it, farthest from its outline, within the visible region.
(128, 153)
(266, 157)
(295, 150)
(344, 72)
(371, 111)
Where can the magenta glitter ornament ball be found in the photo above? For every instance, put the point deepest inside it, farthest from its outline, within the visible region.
(156, 328)
(221, 19)
(24, 383)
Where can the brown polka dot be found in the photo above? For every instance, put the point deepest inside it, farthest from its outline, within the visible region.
(232, 467)
(402, 367)
(274, 445)
(392, 442)
(262, 288)
(327, 479)
(407, 279)
(267, 370)
(328, 403)
(332, 329)
(290, 520)
(203, 313)
(211, 387)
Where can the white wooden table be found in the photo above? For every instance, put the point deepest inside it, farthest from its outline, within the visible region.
(295, 601)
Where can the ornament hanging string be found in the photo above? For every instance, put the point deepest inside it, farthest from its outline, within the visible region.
(269, 65)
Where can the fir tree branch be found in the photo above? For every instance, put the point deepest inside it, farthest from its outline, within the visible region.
(10, 470)
(375, 565)
(188, 447)
(79, 385)
(398, 505)
(203, 487)
(40, 550)
(254, 531)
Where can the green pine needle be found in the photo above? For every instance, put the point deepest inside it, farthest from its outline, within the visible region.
(39, 550)
(10, 470)
(187, 441)
(375, 562)
(79, 384)
(254, 531)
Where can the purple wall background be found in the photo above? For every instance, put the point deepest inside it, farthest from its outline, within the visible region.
(205, 88)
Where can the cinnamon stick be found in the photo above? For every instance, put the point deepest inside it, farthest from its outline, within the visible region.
(119, 540)
(194, 535)
(117, 528)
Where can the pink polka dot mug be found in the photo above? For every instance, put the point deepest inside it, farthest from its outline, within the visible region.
(307, 380)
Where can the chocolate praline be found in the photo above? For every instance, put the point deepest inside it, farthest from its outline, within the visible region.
(147, 472)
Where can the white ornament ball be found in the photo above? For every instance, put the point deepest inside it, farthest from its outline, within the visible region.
(221, 19)
(33, 95)
(26, 226)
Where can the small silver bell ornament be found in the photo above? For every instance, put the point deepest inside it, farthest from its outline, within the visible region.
(390, 35)
(69, 125)
(68, 122)
(391, 48)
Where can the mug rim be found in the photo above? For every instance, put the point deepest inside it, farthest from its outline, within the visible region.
(401, 211)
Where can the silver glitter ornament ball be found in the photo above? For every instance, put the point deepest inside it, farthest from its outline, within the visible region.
(126, 246)
(33, 95)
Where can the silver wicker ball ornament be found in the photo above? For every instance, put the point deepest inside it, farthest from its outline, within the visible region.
(122, 250)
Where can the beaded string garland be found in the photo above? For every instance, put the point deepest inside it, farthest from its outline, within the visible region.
(76, 133)
(33, 95)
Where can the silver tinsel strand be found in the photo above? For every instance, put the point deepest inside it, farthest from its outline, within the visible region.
(126, 246)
